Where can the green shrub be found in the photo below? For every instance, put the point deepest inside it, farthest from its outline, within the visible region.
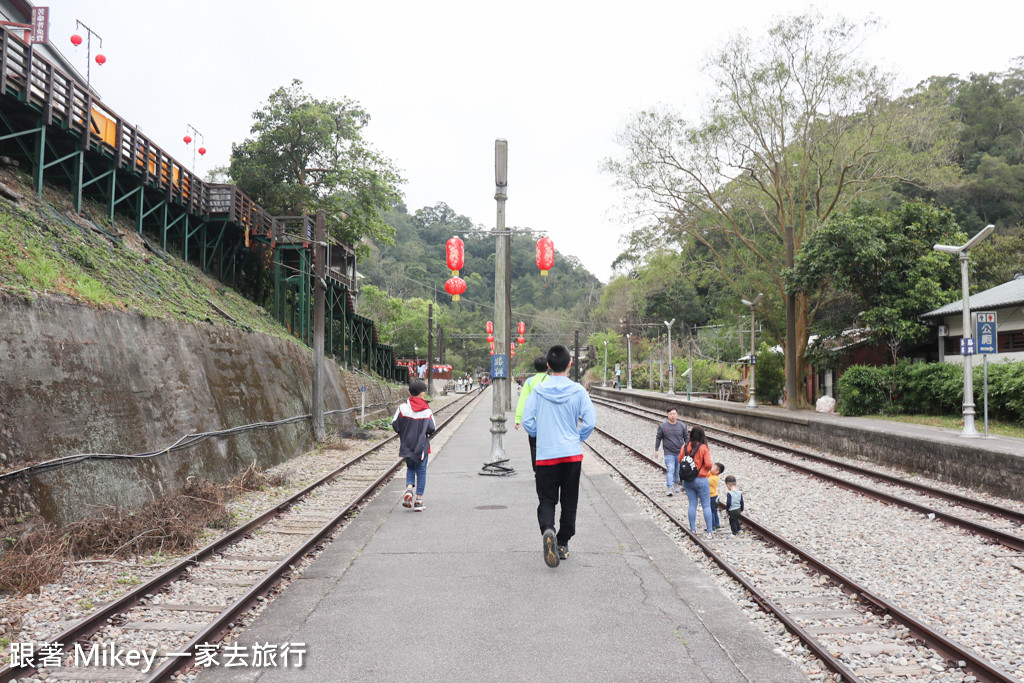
(864, 390)
(928, 388)
(1005, 391)
(770, 375)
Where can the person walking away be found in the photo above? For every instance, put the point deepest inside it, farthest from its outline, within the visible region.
(674, 435)
(734, 504)
(698, 487)
(414, 423)
(716, 469)
(560, 415)
(540, 364)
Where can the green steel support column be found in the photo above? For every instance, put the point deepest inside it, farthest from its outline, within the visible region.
(184, 240)
(276, 274)
(76, 182)
(164, 228)
(40, 153)
(330, 317)
(113, 192)
(140, 206)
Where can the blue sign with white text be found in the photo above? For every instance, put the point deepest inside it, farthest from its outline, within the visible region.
(499, 366)
(986, 333)
(967, 346)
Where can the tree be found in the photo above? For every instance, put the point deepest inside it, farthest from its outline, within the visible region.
(886, 261)
(798, 128)
(307, 154)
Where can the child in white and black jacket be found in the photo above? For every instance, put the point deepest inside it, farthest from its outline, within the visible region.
(414, 423)
(734, 504)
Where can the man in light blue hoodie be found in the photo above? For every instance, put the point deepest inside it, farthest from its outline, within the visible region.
(560, 415)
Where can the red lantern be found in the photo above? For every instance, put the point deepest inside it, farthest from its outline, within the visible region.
(520, 340)
(490, 327)
(455, 286)
(490, 338)
(187, 139)
(202, 151)
(455, 251)
(545, 255)
(522, 328)
(76, 40)
(100, 59)
(492, 352)
(512, 349)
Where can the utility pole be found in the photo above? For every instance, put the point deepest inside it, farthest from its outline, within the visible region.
(791, 370)
(319, 299)
(430, 349)
(576, 362)
(498, 463)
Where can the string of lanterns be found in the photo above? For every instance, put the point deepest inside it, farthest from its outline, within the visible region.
(455, 258)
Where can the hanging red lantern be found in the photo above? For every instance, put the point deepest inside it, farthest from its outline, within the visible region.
(492, 352)
(522, 327)
(512, 349)
(455, 252)
(202, 151)
(490, 327)
(100, 59)
(492, 347)
(76, 40)
(187, 139)
(520, 340)
(455, 286)
(545, 255)
(490, 338)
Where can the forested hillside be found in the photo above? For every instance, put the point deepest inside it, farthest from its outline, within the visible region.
(413, 270)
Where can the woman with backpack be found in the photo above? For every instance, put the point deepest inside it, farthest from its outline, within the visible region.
(694, 468)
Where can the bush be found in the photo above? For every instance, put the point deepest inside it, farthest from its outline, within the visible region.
(864, 390)
(929, 389)
(769, 376)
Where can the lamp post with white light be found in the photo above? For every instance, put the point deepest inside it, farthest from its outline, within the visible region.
(671, 373)
(629, 363)
(967, 341)
(753, 359)
(604, 382)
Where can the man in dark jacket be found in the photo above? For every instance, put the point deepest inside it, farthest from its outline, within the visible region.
(414, 423)
(673, 434)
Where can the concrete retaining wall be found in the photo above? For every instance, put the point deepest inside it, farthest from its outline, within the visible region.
(75, 379)
(992, 465)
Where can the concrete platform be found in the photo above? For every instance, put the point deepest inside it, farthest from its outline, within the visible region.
(460, 592)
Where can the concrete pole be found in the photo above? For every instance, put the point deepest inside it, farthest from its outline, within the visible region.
(752, 403)
(430, 349)
(969, 429)
(792, 401)
(604, 382)
(500, 386)
(576, 352)
(629, 363)
(319, 298)
(671, 369)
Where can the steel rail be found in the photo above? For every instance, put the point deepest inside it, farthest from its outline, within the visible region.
(1009, 540)
(97, 620)
(976, 665)
(981, 506)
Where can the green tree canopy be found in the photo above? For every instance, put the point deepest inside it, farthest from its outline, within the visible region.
(307, 154)
(886, 262)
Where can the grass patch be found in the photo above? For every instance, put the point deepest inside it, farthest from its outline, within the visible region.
(956, 422)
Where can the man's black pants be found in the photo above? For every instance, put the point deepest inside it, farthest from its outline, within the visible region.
(558, 483)
(533, 452)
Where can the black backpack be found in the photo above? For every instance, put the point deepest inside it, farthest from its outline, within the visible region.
(688, 469)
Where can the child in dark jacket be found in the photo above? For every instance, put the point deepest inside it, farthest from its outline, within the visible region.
(734, 504)
(414, 423)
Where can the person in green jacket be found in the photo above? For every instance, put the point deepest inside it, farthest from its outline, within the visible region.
(540, 364)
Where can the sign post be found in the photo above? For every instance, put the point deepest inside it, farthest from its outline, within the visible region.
(987, 336)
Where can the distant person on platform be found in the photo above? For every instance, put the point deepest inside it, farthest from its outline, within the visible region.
(540, 364)
(560, 415)
(414, 423)
(673, 434)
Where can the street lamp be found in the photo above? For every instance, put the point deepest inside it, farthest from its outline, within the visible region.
(671, 374)
(967, 341)
(604, 382)
(753, 359)
(629, 363)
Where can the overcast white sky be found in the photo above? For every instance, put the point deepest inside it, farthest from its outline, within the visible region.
(443, 79)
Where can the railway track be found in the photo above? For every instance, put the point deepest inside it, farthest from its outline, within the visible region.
(999, 524)
(198, 600)
(829, 612)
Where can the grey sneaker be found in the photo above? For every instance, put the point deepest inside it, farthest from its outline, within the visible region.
(563, 552)
(550, 549)
(407, 498)
(418, 506)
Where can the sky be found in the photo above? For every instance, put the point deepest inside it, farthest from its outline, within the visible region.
(443, 79)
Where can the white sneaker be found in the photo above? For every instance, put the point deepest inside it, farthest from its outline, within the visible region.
(407, 498)
(669, 494)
